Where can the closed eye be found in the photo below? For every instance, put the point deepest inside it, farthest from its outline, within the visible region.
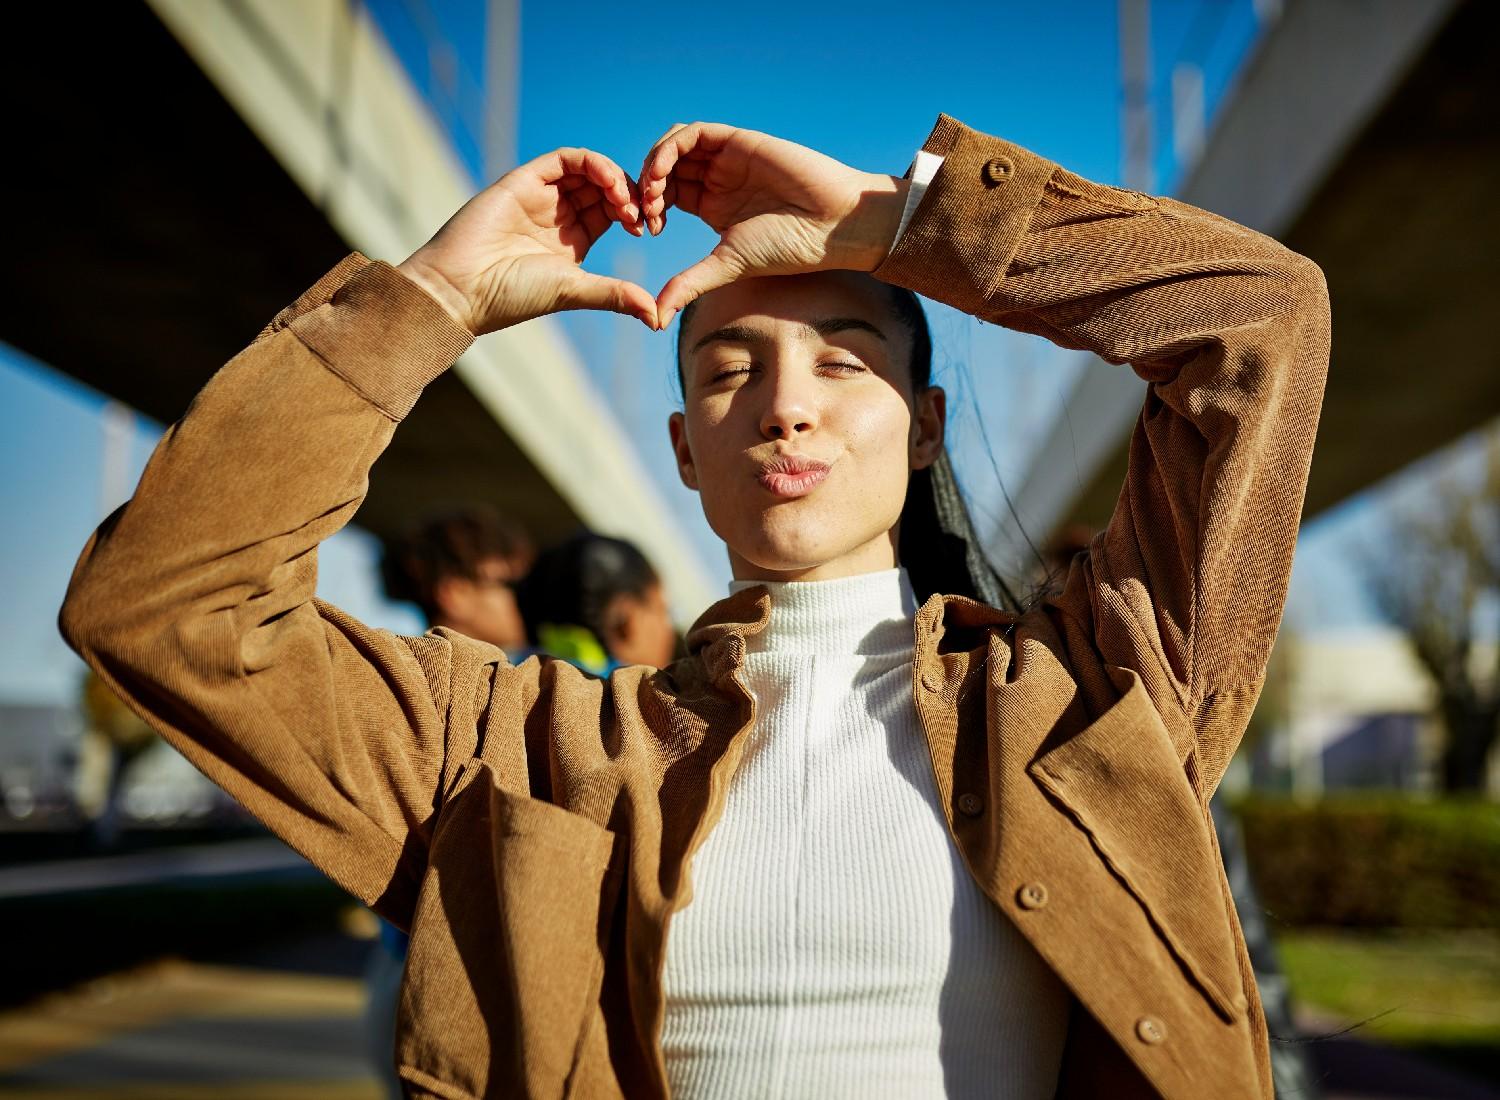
(845, 369)
(725, 374)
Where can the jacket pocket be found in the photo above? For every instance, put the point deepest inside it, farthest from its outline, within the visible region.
(507, 954)
(1120, 779)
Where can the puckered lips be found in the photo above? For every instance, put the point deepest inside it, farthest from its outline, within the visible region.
(790, 476)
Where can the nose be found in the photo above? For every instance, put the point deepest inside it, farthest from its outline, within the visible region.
(791, 410)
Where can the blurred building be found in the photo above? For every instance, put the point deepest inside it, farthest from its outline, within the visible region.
(1345, 712)
(38, 747)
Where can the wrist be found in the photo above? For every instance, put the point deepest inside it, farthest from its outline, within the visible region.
(874, 220)
(438, 286)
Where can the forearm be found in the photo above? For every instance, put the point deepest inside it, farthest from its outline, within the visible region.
(195, 602)
(271, 458)
(1013, 238)
(1231, 330)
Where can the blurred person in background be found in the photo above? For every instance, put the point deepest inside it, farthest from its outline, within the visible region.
(114, 737)
(597, 602)
(912, 837)
(461, 569)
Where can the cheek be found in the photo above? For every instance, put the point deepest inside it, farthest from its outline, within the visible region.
(720, 486)
(877, 435)
(712, 440)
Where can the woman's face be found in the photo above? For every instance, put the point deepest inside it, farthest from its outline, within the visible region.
(800, 427)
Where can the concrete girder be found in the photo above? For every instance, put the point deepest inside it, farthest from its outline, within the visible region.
(221, 155)
(1362, 134)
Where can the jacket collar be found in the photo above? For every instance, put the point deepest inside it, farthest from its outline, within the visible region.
(718, 636)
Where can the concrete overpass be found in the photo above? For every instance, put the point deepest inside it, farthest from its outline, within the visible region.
(1362, 133)
(182, 169)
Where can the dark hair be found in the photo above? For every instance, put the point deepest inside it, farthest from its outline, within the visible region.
(938, 547)
(450, 545)
(573, 583)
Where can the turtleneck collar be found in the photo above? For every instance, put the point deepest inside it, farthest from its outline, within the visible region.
(867, 614)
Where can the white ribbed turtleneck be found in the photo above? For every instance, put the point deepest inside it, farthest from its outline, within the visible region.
(835, 945)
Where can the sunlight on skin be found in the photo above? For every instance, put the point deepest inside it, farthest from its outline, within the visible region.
(801, 428)
(766, 377)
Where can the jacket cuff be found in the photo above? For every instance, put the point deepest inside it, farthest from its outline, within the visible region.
(971, 219)
(378, 331)
(317, 294)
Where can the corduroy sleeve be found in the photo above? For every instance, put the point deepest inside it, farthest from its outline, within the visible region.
(1230, 329)
(195, 600)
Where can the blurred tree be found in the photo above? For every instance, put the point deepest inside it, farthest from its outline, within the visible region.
(1436, 577)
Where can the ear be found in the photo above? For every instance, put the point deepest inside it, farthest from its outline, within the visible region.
(677, 428)
(928, 423)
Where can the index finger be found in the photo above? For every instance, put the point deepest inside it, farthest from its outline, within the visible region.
(676, 143)
(617, 189)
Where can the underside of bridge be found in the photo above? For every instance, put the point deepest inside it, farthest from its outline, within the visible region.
(152, 236)
(1406, 227)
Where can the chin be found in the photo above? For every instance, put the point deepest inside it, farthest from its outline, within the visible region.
(778, 546)
(794, 536)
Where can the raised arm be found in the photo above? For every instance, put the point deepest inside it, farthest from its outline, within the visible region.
(195, 600)
(1187, 583)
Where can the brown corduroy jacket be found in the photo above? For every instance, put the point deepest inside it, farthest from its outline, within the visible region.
(533, 827)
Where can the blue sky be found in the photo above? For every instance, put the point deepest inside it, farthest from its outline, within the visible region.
(861, 82)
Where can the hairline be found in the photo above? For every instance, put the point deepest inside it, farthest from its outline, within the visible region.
(822, 328)
(894, 308)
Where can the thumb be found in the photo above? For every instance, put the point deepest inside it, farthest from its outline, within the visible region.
(585, 290)
(718, 268)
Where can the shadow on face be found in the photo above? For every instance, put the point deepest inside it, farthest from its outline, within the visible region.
(802, 420)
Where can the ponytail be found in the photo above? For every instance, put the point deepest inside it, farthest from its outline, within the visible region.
(939, 548)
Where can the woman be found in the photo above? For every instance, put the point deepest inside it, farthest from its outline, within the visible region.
(537, 828)
(597, 602)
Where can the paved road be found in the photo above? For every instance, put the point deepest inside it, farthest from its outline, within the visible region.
(1352, 1069)
(191, 1031)
(154, 867)
(194, 1031)
(283, 1020)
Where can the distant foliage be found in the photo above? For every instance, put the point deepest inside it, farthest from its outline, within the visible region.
(1375, 862)
(1436, 577)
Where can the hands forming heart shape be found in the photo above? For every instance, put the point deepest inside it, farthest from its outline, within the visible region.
(514, 251)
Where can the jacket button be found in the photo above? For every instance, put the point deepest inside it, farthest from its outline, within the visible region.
(970, 804)
(1150, 1030)
(1033, 895)
(997, 170)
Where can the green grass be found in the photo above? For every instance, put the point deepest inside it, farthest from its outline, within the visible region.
(1437, 993)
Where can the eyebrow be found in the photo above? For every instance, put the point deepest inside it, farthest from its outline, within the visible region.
(823, 328)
